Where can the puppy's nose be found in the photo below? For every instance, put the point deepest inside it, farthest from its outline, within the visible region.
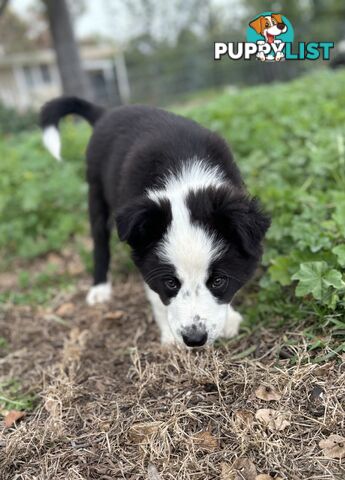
(281, 26)
(195, 338)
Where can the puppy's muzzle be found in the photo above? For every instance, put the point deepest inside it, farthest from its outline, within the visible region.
(194, 336)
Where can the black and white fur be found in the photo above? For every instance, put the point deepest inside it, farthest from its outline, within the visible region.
(179, 201)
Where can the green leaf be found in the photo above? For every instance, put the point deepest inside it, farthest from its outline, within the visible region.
(280, 270)
(339, 217)
(339, 251)
(316, 278)
(333, 278)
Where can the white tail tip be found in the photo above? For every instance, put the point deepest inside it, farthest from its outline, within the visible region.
(51, 140)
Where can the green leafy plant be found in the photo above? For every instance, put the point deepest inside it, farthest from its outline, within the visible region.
(42, 202)
(321, 281)
(13, 122)
(13, 398)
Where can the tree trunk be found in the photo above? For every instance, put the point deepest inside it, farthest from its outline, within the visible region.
(74, 78)
(3, 6)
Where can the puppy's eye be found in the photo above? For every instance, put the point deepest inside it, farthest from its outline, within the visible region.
(218, 282)
(171, 283)
(267, 25)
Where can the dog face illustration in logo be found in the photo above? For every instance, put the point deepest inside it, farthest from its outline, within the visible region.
(269, 27)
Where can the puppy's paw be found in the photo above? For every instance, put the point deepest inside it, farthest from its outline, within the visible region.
(232, 324)
(100, 293)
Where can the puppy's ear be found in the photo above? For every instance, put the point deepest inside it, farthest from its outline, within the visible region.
(233, 214)
(277, 17)
(143, 222)
(246, 222)
(241, 219)
(257, 24)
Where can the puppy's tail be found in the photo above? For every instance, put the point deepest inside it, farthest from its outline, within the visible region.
(53, 111)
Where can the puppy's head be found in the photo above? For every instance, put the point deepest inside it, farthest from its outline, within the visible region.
(195, 252)
(269, 26)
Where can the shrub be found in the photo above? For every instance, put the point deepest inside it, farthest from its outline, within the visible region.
(13, 122)
(42, 202)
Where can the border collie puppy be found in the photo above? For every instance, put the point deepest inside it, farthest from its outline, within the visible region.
(178, 200)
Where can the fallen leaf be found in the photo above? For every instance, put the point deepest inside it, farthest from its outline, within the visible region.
(244, 418)
(206, 441)
(244, 468)
(65, 310)
(333, 446)
(323, 370)
(12, 417)
(143, 432)
(267, 393)
(116, 315)
(273, 419)
(241, 469)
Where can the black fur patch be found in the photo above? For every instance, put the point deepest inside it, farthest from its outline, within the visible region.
(143, 222)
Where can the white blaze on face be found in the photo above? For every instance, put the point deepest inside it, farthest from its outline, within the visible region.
(190, 249)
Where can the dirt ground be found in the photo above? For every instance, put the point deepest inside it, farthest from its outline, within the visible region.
(111, 404)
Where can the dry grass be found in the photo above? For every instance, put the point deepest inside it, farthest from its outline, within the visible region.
(112, 403)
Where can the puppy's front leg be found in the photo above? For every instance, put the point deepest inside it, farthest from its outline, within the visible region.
(160, 316)
(232, 323)
(99, 215)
